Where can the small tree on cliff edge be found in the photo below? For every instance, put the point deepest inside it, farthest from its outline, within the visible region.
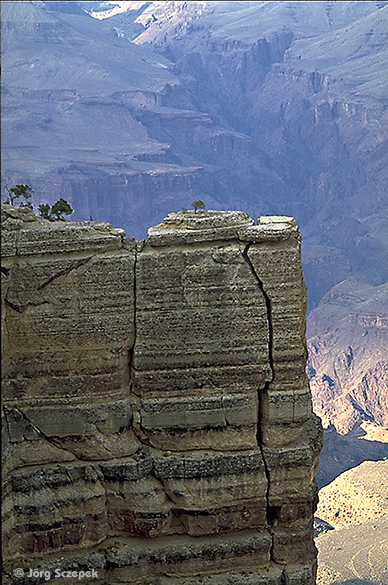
(60, 207)
(44, 210)
(198, 204)
(19, 191)
(55, 212)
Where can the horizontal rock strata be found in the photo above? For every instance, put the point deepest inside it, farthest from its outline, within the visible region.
(157, 415)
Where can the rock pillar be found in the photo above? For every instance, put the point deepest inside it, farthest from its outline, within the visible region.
(158, 423)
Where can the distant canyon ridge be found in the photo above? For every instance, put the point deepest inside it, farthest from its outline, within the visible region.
(132, 110)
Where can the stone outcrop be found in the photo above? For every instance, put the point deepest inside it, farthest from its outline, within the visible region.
(157, 415)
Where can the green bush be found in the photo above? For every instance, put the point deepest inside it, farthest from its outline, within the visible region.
(55, 212)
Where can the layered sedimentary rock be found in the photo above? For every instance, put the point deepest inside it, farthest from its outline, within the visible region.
(158, 423)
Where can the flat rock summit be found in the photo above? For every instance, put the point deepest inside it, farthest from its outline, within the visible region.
(158, 423)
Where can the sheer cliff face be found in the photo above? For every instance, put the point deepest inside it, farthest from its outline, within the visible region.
(158, 418)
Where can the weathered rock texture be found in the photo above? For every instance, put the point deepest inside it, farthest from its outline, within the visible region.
(158, 423)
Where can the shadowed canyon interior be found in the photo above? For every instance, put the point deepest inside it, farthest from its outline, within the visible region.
(157, 415)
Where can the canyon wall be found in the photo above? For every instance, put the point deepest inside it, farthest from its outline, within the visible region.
(348, 366)
(157, 415)
(268, 108)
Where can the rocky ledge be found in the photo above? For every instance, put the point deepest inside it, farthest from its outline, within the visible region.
(158, 423)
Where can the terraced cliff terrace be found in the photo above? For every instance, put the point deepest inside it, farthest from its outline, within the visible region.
(158, 423)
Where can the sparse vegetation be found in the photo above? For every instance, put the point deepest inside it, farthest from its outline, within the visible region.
(198, 204)
(17, 191)
(55, 212)
(44, 210)
(61, 207)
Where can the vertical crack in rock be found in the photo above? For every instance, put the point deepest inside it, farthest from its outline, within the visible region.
(271, 513)
(5, 410)
(164, 487)
(139, 431)
(137, 427)
(269, 311)
(132, 349)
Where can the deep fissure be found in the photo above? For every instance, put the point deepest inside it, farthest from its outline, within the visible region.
(132, 348)
(271, 512)
(137, 426)
(268, 305)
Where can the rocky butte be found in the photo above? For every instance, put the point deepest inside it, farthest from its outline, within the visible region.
(158, 422)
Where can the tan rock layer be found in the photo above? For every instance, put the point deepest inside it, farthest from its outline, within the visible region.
(157, 416)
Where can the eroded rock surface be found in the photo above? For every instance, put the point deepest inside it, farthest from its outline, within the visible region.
(158, 420)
